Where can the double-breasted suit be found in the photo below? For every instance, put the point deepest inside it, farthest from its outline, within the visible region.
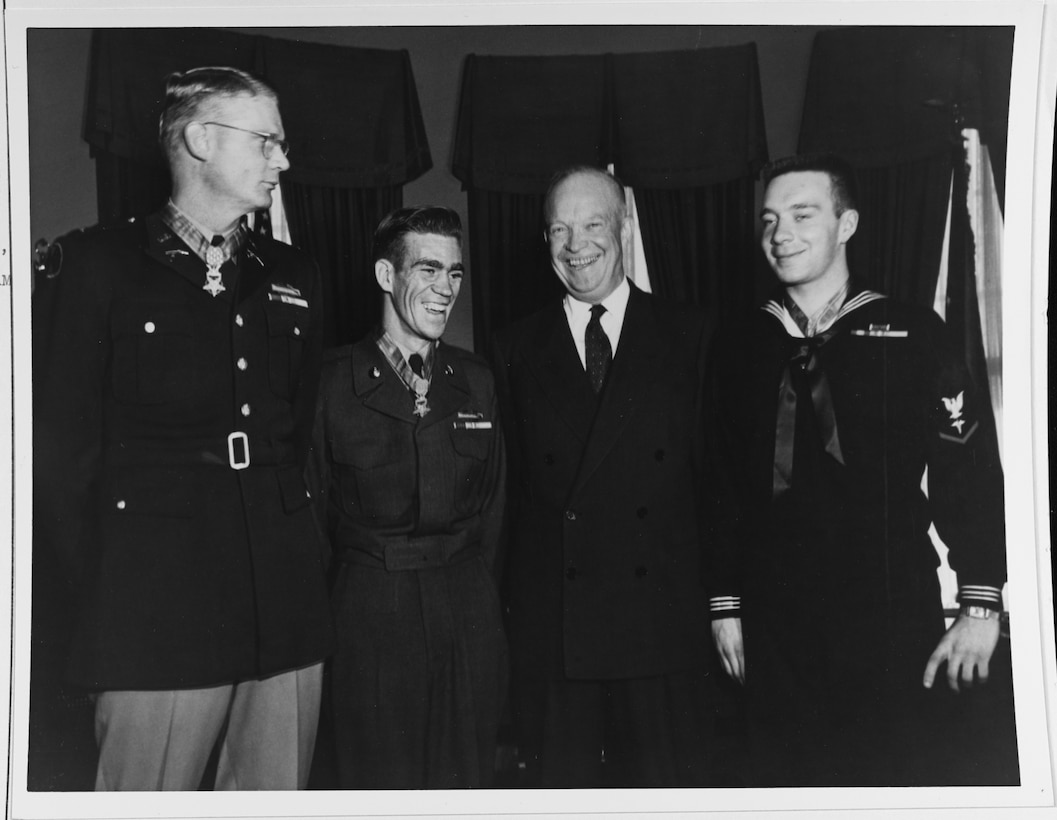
(604, 571)
(171, 433)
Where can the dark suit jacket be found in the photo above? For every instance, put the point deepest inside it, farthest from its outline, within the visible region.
(194, 573)
(604, 576)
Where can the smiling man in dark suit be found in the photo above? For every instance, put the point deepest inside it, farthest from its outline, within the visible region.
(608, 617)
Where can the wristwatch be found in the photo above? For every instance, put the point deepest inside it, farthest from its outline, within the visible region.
(980, 612)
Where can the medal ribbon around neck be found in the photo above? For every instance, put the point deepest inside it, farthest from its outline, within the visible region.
(215, 257)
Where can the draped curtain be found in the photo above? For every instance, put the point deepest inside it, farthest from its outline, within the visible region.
(893, 101)
(350, 153)
(692, 167)
(337, 224)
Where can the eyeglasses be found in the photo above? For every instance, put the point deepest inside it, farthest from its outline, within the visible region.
(269, 142)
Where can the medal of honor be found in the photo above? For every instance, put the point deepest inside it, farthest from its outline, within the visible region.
(214, 282)
(421, 387)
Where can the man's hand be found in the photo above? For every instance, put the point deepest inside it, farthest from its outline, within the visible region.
(726, 633)
(967, 647)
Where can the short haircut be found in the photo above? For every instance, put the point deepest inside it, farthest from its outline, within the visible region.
(187, 93)
(841, 176)
(422, 219)
(573, 170)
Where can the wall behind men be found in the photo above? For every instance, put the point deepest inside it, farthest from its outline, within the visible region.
(62, 175)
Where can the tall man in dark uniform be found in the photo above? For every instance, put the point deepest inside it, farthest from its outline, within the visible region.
(173, 419)
(601, 397)
(830, 403)
(412, 460)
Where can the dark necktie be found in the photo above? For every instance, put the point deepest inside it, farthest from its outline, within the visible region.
(804, 358)
(597, 349)
(419, 384)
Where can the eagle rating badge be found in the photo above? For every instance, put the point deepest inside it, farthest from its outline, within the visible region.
(956, 409)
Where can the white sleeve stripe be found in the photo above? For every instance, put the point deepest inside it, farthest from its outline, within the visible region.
(980, 592)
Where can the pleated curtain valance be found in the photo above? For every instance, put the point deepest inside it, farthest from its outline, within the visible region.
(884, 95)
(351, 115)
(666, 119)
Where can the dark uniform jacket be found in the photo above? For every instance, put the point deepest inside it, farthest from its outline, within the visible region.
(415, 508)
(902, 401)
(604, 577)
(150, 396)
(404, 492)
(834, 575)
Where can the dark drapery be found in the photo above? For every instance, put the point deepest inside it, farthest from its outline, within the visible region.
(350, 152)
(693, 168)
(126, 90)
(700, 245)
(352, 113)
(902, 216)
(337, 224)
(512, 272)
(523, 118)
(125, 187)
(893, 101)
(887, 95)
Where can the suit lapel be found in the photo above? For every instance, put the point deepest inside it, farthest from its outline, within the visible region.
(553, 360)
(638, 363)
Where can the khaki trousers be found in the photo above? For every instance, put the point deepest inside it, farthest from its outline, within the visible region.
(151, 741)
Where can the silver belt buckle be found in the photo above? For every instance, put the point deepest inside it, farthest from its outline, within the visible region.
(233, 459)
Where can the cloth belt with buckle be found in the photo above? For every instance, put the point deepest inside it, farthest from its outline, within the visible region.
(238, 452)
(407, 552)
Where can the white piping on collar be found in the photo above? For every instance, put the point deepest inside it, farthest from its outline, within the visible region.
(781, 312)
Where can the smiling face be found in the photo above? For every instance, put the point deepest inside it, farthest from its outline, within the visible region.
(237, 175)
(803, 237)
(586, 230)
(422, 291)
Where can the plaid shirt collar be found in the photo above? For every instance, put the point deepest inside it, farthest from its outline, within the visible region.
(400, 366)
(195, 238)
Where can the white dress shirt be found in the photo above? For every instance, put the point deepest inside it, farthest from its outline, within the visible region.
(579, 314)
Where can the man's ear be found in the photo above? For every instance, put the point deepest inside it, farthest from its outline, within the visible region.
(196, 140)
(848, 223)
(384, 273)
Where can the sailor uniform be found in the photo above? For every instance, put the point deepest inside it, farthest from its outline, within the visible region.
(821, 542)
